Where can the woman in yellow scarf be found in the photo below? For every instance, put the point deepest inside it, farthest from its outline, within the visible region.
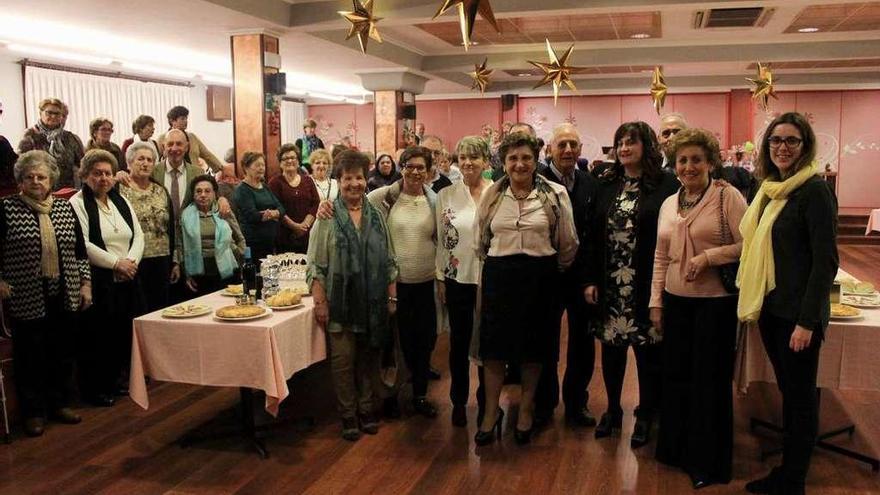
(789, 260)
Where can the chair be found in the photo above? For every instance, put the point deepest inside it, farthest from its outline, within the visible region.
(6, 335)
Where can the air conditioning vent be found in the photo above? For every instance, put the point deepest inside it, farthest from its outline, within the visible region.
(732, 18)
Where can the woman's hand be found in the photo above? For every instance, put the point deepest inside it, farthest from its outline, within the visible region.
(299, 230)
(224, 208)
(175, 274)
(325, 210)
(125, 269)
(5, 290)
(800, 338)
(85, 297)
(441, 292)
(123, 178)
(657, 319)
(696, 265)
(591, 294)
(191, 284)
(322, 313)
(392, 307)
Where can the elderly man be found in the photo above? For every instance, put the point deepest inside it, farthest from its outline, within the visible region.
(441, 179)
(178, 118)
(670, 125)
(565, 151)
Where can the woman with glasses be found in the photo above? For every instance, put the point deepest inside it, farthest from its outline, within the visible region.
(101, 130)
(788, 264)
(298, 194)
(48, 134)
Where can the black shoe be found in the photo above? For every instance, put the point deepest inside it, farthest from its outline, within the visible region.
(390, 408)
(66, 415)
(368, 424)
(767, 484)
(350, 430)
(101, 400)
(121, 391)
(34, 427)
(700, 481)
(424, 407)
(433, 374)
(580, 417)
(523, 437)
(459, 416)
(542, 418)
(483, 438)
(608, 425)
(641, 434)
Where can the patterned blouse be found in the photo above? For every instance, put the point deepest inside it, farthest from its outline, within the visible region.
(151, 208)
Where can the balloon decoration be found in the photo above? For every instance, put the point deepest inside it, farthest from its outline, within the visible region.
(658, 89)
(557, 71)
(363, 23)
(763, 87)
(467, 15)
(481, 75)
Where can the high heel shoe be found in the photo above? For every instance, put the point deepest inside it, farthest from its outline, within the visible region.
(483, 438)
(608, 425)
(522, 437)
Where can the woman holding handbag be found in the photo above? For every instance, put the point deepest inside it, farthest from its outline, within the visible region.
(698, 234)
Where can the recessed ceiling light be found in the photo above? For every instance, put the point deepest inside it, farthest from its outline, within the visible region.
(473, 43)
(524, 74)
(640, 36)
(808, 30)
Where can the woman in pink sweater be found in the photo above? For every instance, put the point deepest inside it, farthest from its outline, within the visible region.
(695, 312)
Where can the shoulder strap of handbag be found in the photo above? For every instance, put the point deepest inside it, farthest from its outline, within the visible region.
(726, 236)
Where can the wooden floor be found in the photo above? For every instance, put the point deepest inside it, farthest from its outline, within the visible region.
(126, 450)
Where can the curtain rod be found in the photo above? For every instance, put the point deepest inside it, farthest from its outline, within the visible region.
(92, 72)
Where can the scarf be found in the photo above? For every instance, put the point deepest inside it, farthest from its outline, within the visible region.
(53, 136)
(360, 285)
(190, 225)
(49, 256)
(757, 270)
(310, 143)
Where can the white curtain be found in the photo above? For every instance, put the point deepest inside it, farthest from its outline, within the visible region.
(89, 97)
(293, 114)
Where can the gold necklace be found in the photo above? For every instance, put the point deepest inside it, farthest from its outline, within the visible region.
(108, 212)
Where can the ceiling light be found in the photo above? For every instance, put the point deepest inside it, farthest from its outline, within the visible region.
(57, 54)
(640, 36)
(153, 69)
(524, 74)
(808, 30)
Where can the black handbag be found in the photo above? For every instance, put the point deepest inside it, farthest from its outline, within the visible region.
(727, 271)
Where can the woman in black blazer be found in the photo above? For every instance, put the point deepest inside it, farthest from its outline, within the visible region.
(618, 273)
(790, 298)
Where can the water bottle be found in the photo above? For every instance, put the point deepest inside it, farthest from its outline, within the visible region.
(248, 272)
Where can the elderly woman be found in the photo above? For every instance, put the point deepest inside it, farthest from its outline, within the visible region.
(209, 246)
(695, 313)
(115, 244)
(299, 196)
(384, 174)
(100, 132)
(458, 266)
(524, 231)
(322, 169)
(44, 281)
(620, 264)
(155, 214)
(49, 135)
(258, 209)
(143, 128)
(352, 274)
(789, 261)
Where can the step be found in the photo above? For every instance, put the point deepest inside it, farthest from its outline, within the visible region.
(859, 239)
(851, 229)
(854, 219)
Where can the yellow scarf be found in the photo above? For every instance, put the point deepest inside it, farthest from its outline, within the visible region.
(49, 255)
(757, 270)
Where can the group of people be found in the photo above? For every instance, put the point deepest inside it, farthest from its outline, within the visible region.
(667, 260)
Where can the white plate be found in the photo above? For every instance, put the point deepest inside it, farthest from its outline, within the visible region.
(246, 318)
(205, 310)
(230, 294)
(860, 301)
(853, 317)
(285, 308)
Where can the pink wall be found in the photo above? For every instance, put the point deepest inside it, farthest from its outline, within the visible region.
(337, 121)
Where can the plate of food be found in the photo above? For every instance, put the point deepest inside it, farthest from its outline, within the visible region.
(186, 311)
(844, 312)
(233, 290)
(872, 301)
(241, 312)
(285, 299)
(858, 288)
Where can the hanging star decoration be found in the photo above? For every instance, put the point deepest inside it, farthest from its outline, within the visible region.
(557, 72)
(658, 89)
(481, 76)
(763, 86)
(467, 15)
(363, 23)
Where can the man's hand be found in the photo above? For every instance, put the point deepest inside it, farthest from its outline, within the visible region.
(591, 294)
(224, 208)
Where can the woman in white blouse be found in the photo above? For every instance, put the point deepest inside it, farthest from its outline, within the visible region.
(115, 244)
(458, 266)
(322, 165)
(524, 231)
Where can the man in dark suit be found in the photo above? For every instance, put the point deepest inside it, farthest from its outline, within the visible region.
(580, 358)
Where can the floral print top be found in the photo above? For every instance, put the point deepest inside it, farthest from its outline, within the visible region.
(620, 326)
(151, 208)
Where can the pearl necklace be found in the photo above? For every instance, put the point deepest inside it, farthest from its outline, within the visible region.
(108, 212)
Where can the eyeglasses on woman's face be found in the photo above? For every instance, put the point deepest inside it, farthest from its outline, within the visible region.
(790, 141)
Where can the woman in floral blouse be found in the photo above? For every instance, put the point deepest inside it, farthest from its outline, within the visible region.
(620, 254)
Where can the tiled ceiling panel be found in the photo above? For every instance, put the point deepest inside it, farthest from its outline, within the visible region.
(568, 28)
(823, 64)
(861, 16)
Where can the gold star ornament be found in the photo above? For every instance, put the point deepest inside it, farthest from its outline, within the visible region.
(763, 87)
(481, 75)
(467, 15)
(363, 23)
(557, 71)
(658, 89)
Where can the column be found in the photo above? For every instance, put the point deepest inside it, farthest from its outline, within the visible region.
(394, 95)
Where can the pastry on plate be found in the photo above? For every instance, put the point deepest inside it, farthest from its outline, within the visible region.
(184, 310)
(842, 310)
(237, 289)
(240, 311)
(287, 297)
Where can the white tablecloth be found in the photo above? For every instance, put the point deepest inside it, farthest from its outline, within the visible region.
(873, 221)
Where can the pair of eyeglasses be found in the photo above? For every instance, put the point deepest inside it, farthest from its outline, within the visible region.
(414, 168)
(288, 158)
(53, 113)
(670, 132)
(790, 141)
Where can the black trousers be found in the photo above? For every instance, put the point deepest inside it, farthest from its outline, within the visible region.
(796, 378)
(696, 411)
(648, 364)
(155, 274)
(580, 356)
(417, 326)
(461, 300)
(210, 280)
(43, 359)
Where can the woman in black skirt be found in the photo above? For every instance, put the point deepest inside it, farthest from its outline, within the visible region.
(525, 233)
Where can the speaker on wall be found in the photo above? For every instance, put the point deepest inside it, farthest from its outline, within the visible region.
(408, 112)
(507, 102)
(276, 84)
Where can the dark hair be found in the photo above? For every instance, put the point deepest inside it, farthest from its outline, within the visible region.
(141, 122)
(94, 157)
(249, 157)
(416, 152)
(176, 113)
(96, 124)
(337, 149)
(201, 178)
(287, 148)
(515, 140)
(693, 136)
(765, 168)
(652, 158)
(350, 161)
(393, 165)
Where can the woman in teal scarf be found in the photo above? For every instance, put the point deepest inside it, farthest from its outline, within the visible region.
(352, 274)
